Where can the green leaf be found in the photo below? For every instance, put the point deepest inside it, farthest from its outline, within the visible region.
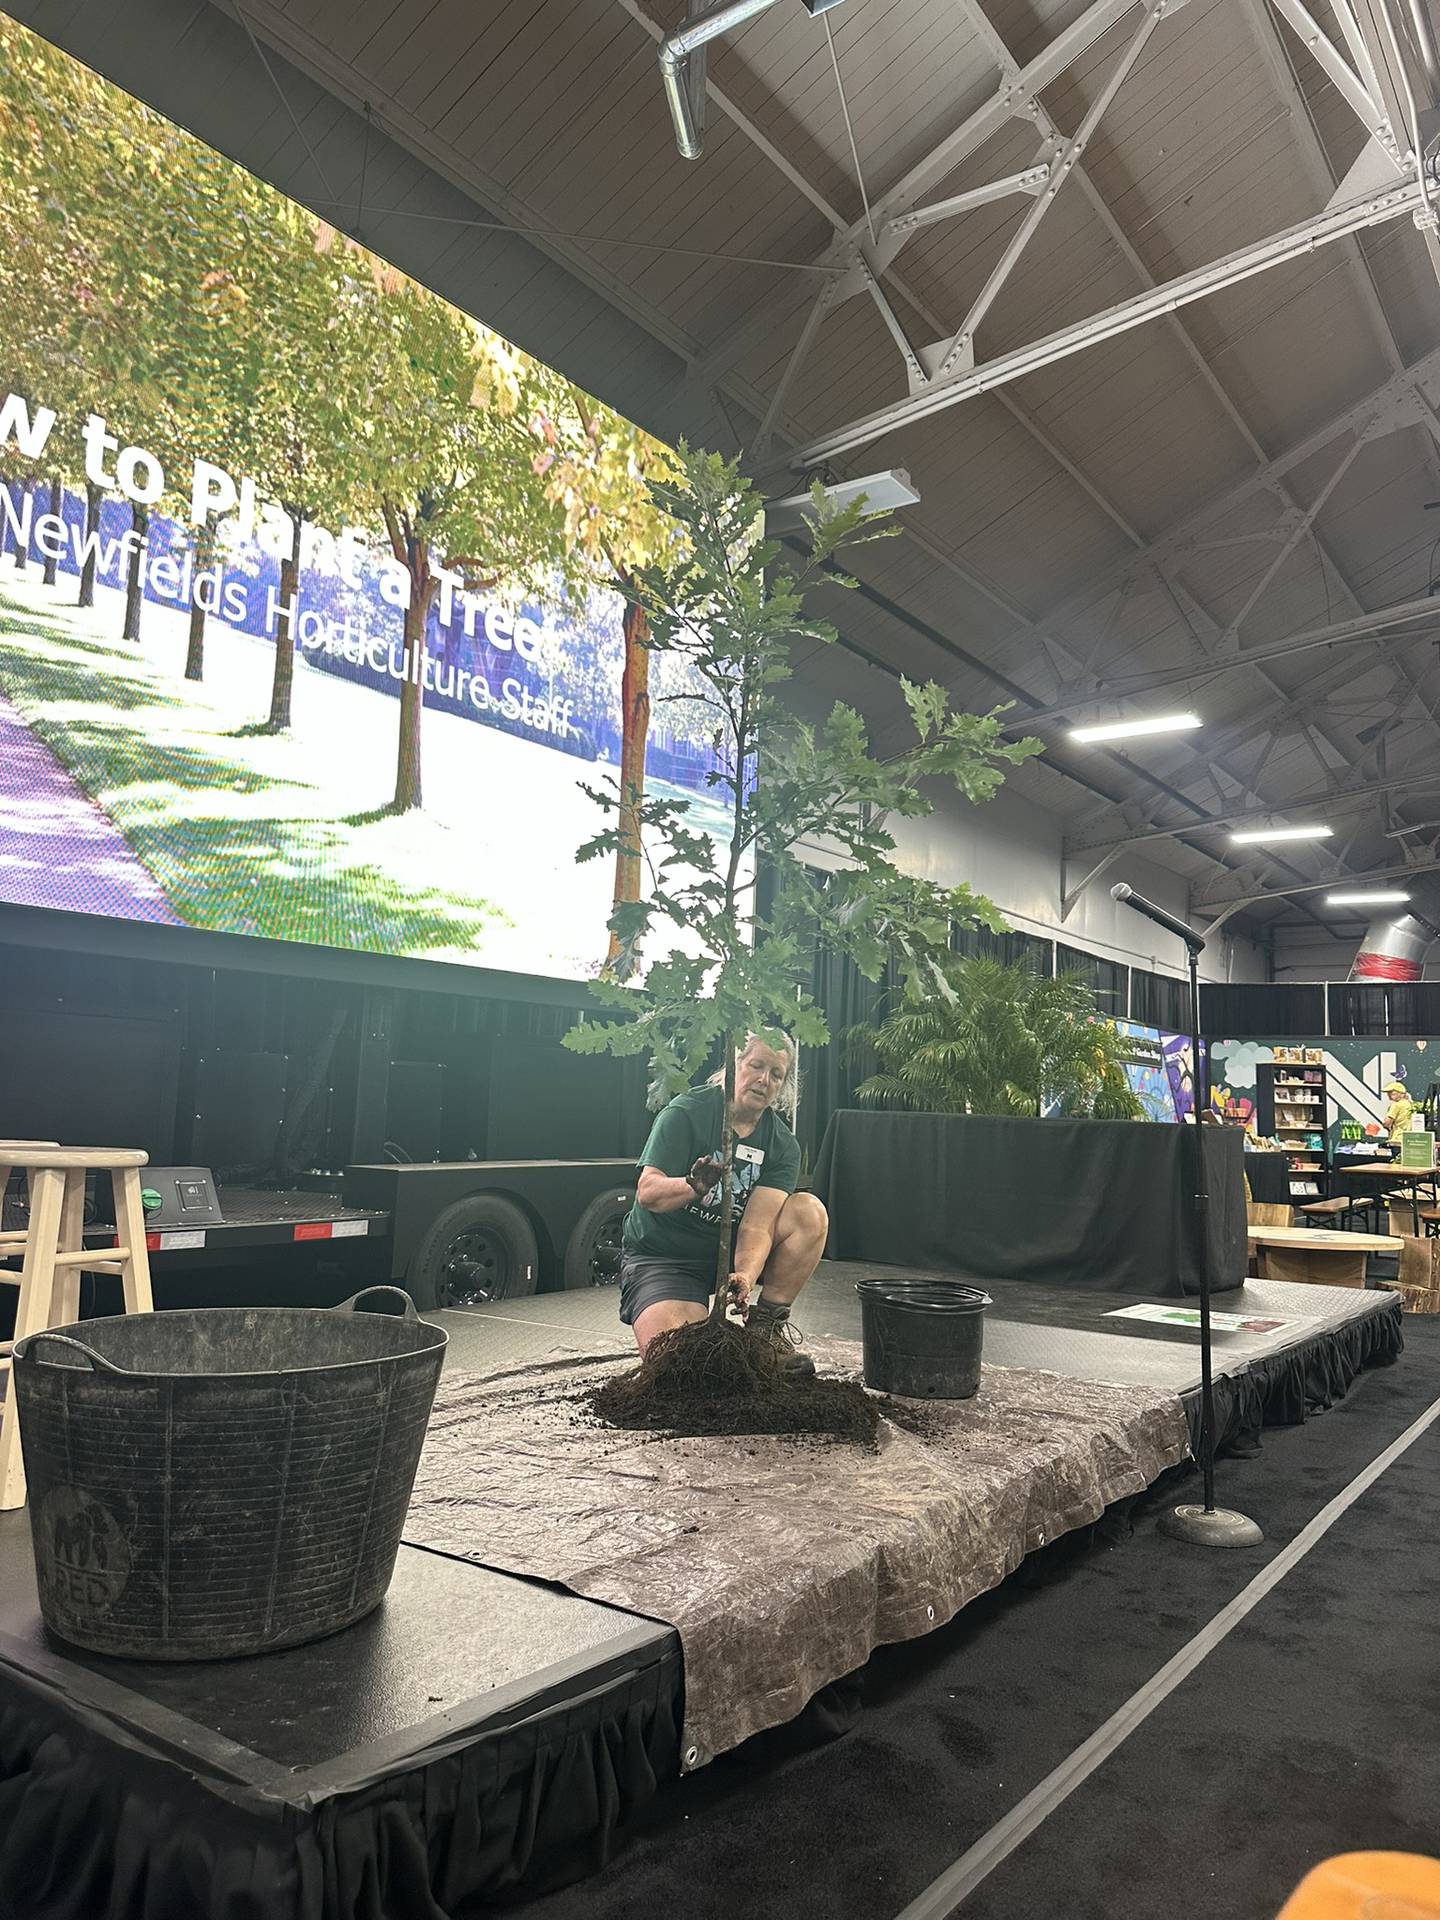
(927, 704)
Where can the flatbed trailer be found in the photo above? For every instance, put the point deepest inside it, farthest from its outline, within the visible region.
(466, 1231)
(452, 1233)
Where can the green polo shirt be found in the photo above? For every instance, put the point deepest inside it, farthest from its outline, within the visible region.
(688, 1130)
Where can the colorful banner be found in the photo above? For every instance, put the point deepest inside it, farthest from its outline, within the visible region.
(1161, 1071)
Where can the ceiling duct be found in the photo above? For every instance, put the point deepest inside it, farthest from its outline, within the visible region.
(682, 63)
(1394, 949)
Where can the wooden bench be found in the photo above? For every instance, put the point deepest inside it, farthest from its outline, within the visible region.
(1343, 1208)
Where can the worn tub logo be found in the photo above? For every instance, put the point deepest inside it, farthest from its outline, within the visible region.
(84, 1558)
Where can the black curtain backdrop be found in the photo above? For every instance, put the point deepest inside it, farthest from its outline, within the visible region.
(1256, 1012)
(830, 1075)
(1070, 1203)
(1400, 1008)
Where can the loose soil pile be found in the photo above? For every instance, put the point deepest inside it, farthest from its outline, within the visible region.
(715, 1378)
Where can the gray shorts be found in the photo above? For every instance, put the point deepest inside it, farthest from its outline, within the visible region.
(645, 1282)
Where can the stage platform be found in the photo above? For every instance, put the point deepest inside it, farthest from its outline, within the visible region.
(484, 1729)
(1327, 1335)
(475, 1731)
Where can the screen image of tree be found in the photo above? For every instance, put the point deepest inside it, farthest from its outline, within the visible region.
(313, 611)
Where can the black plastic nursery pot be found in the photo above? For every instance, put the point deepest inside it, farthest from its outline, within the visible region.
(923, 1338)
(222, 1482)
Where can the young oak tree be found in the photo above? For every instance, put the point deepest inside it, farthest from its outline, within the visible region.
(723, 600)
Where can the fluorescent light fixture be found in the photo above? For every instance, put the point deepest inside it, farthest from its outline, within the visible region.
(884, 493)
(1134, 729)
(1366, 899)
(1259, 836)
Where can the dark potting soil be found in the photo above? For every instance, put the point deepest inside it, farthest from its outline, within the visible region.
(918, 1417)
(716, 1378)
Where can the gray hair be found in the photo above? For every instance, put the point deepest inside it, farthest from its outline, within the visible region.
(788, 1098)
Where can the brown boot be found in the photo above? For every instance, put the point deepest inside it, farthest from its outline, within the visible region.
(772, 1323)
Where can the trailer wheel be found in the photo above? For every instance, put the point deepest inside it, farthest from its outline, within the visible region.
(592, 1256)
(482, 1248)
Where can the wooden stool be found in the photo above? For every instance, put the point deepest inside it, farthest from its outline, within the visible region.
(12, 1240)
(14, 1237)
(53, 1257)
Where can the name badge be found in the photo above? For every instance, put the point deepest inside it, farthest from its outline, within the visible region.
(742, 1152)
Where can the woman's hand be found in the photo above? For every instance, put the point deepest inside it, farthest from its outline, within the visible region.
(703, 1175)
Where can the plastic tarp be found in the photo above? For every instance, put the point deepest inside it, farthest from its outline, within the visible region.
(782, 1563)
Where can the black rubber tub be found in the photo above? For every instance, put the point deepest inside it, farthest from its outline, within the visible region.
(223, 1482)
(923, 1338)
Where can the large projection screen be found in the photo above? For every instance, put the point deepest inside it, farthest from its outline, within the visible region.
(310, 614)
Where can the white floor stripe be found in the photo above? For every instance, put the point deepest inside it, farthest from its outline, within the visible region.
(519, 1320)
(944, 1895)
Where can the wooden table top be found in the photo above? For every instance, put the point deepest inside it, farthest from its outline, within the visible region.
(1391, 1169)
(1324, 1240)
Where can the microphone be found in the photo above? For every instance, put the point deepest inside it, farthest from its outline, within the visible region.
(1171, 922)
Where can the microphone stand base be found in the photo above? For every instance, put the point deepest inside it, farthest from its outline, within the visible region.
(1218, 1528)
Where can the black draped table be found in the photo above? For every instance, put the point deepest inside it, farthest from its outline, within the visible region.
(1269, 1178)
(1071, 1203)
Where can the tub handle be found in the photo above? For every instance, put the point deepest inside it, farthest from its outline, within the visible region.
(406, 1311)
(94, 1361)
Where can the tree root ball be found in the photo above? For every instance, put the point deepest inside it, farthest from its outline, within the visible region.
(716, 1378)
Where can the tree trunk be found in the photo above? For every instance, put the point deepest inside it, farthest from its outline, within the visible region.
(284, 680)
(57, 506)
(408, 786)
(721, 1301)
(22, 543)
(92, 527)
(634, 732)
(205, 547)
(134, 578)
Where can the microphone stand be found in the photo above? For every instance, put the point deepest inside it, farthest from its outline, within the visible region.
(1207, 1525)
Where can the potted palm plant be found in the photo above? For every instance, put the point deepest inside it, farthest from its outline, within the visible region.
(1003, 1041)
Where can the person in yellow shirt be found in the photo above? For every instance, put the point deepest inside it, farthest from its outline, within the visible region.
(1401, 1110)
